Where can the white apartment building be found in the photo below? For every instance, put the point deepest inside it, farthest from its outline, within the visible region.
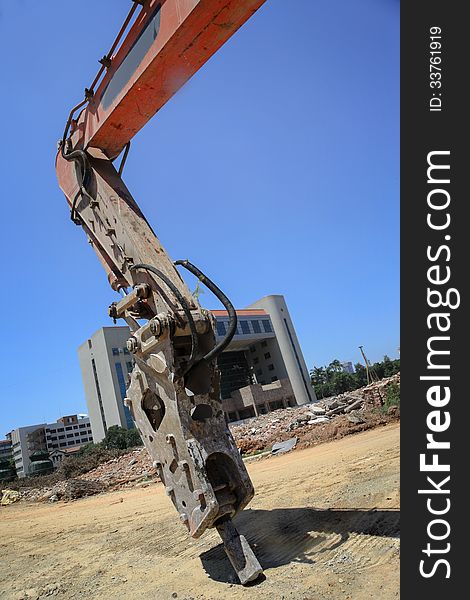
(69, 431)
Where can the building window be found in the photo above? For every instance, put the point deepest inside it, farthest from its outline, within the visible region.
(89, 344)
(70, 435)
(267, 355)
(255, 360)
(267, 326)
(55, 445)
(77, 434)
(264, 343)
(98, 394)
(82, 425)
(245, 327)
(221, 328)
(70, 443)
(68, 428)
(115, 351)
(256, 327)
(62, 444)
(61, 437)
(122, 383)
(271, 367)
(126, 351)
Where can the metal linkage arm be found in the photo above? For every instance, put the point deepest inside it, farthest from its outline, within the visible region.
(167, 43)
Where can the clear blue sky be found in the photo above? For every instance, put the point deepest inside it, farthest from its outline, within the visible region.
(275, 170)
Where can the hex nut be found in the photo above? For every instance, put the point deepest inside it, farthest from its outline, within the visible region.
(132, 345)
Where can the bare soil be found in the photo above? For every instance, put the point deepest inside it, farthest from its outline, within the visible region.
(324, 524)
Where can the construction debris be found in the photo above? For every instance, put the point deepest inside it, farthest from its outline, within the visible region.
(134, 466)
(127, 470)
(355, 418)
(316, 422)
(280, 447)
(77, 488)
(9, 496)
(330, 418)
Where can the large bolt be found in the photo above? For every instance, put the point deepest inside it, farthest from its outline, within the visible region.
(112, 311)
(142, 290)
(132, 345)
(156, 327)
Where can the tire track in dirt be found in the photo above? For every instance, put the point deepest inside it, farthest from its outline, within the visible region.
(312, 536)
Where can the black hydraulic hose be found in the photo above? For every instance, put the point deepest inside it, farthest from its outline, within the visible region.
(184, 305)
(80, 157)
(220, 347)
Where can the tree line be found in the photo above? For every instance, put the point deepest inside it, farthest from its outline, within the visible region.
(332, 380)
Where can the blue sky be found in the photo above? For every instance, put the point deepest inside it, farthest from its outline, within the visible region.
(275, 170)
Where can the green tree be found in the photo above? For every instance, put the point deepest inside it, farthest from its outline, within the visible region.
(332, 380)
(88, 449)
(119, 438)
(133, 438)
(116, 437)
(360, 375)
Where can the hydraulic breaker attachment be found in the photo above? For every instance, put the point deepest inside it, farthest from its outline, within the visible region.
(173, 394)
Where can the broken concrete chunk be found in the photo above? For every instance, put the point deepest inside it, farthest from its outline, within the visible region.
(280, 447)
(336, 411)
(78, 488)
(354, 405)
(319, 420)
(334, 404)
(317, 410)
(355, 418)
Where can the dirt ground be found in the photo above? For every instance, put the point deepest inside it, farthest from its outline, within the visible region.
(324, 524)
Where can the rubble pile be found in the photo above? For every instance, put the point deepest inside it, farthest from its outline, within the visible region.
(375, 393)
(134, 466)
(330, 418)
(326, 419)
